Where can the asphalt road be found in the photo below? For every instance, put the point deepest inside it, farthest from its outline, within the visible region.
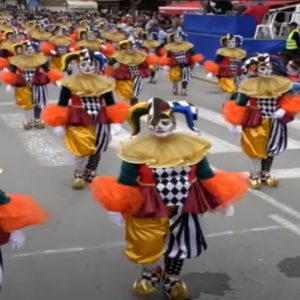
(78, 253)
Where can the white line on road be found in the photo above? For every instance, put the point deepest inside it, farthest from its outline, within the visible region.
(13, 103)
(279, 205)
(285, 223)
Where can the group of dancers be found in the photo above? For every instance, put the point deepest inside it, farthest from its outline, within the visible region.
(165, 181)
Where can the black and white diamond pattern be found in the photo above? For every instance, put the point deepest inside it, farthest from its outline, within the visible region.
(173, 184)
(181, 57)
(267, 106)
(28, 75)
(62, 49)
(91, 105)
(134, 70)
(235, 65)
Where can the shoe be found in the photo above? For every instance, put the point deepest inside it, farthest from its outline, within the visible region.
(269, 180)
(175, 92)
(255, 182)
(39, 124)
(176, 289)
(89, 175)
(183, 92)
(152, 80)
(147, 285)
(78, 183)
(28, 125)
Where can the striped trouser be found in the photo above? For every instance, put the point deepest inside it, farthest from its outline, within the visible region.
(278, 138)
(40, 95)
(186, 73)
(103, 137)
(137, 86)
(185, 239)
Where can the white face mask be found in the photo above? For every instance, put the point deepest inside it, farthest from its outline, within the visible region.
(60, 32)
(164, 128)
(231, 44)
(264, 71)
(178, 39)
(86, 67)
(28, 50)
(91, 36)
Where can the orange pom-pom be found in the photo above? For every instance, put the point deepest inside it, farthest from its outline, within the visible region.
(55, 75)
(20, 212)
(74, 36)
(118, 113)
(197, 58)
(163, 52)
(227, 187)
(4, 63)
(116, 197)
(234, 113)
(108, 70)
(74, 47)
(152, 60)
(8, 78)
(55, 115)
(290, 103)
(211, 67)
(108, 50)
(47, 47)
(164, 61)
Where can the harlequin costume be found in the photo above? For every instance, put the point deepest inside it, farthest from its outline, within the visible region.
(17, 212)
(228, 63)
(86, 109)
(180, 59)
(29, 74)
(112, 39)
(165, 184)
(131, 70)
(9, 39)
(152, 46)
(58, 45)
(264, 106)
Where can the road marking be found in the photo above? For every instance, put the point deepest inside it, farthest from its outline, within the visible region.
(14, 104)
(286, 223)
(48, 150)
(279, 205)
(113, 245)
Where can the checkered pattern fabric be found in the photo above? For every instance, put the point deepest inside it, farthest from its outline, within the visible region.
(152, 51)
(91, 105)
(181, 57)
(267, 106)
(62, 49)
(115, 45)
(28, 75)
(235, 65)
(173, 184)
(134, 70)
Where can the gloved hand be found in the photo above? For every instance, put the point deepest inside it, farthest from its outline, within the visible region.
(116, 129)
(228, 211)
(234, 129)
(17, 239)
(53, 52)
(8, 88)
(59, 131)
(209, 75)
(279, 113)
(117, 218)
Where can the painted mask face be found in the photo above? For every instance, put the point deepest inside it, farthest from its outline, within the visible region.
(60, 32)
(231, 43)
(265, 70)
(178, 38)
(28, 49)
(164, 127)
(86, 67)
(91, 36)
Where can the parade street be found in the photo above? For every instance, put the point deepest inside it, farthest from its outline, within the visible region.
(78, 253)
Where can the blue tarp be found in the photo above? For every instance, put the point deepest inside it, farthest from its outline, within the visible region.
(205, 31)
(220, 25)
